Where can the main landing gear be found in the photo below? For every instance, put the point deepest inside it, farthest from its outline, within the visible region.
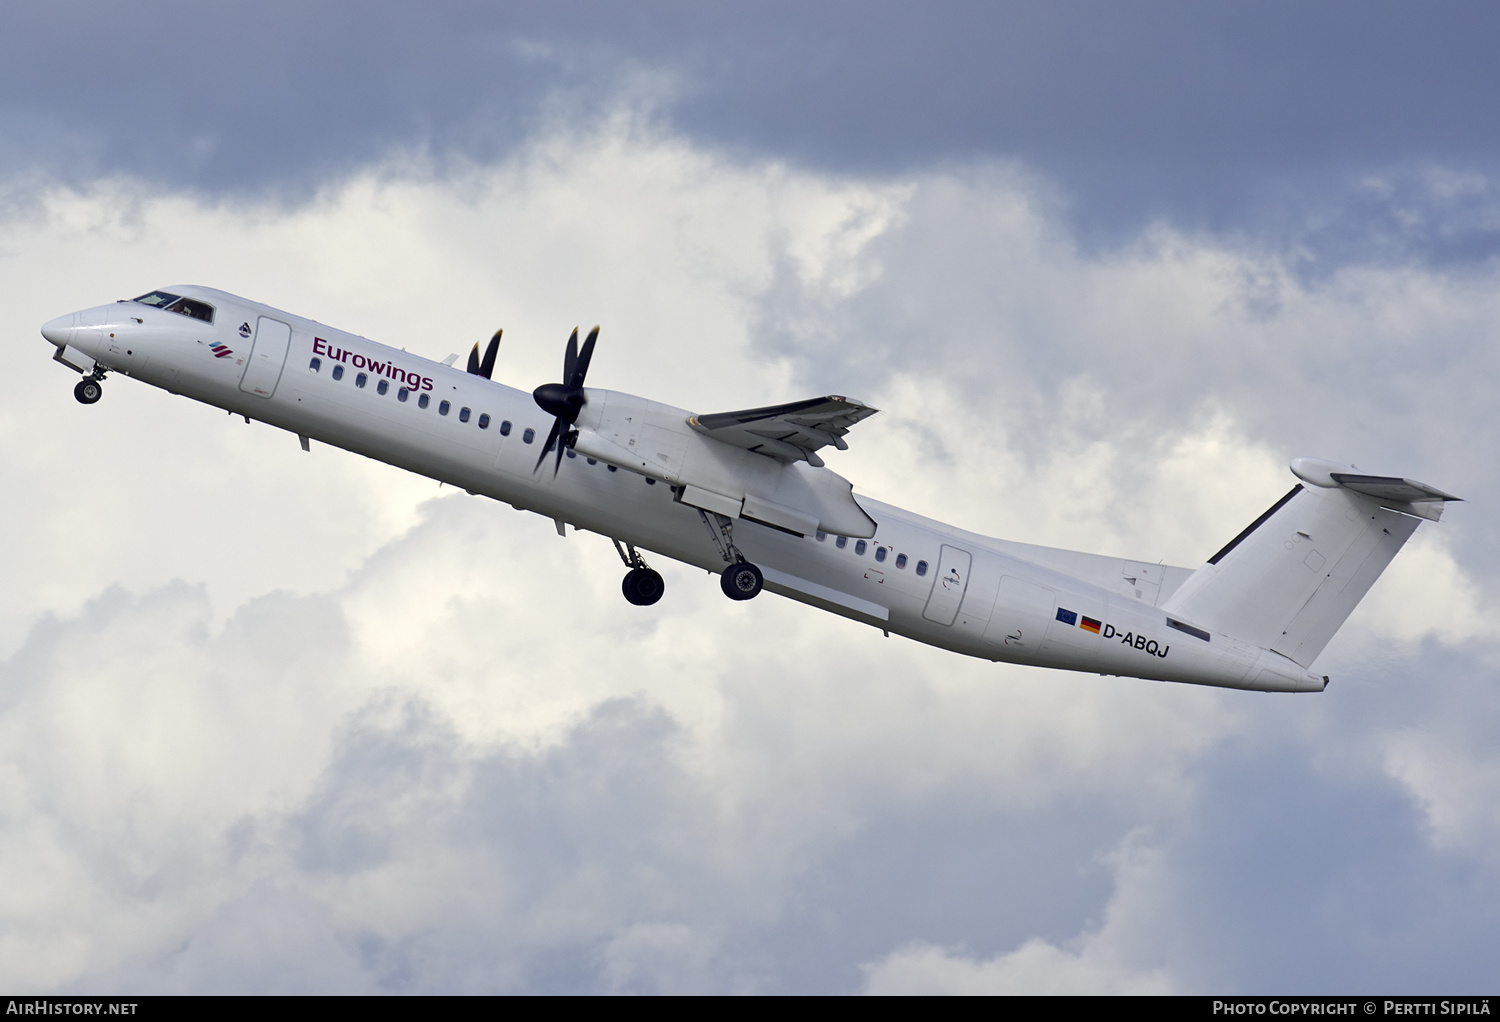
(741, 580)
(642, 586)
(89, 388)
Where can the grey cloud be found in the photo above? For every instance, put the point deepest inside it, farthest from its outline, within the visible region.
(1349, 893)
(604, 861)
(1217, 118)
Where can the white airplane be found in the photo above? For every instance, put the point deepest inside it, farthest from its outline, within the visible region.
(745, 494)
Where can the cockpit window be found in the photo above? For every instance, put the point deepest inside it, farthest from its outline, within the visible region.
(188, 307)
(180, 305)
(175, 303)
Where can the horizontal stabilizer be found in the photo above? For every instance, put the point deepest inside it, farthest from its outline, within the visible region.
(1406, 495)
(1391, 487)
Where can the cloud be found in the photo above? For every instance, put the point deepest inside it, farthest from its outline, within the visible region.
(1165, 111)
(1110, 959)
(286, 721)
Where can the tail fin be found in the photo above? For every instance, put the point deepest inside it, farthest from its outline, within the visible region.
(1290, 580)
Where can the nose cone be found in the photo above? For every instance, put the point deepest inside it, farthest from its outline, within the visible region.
(60, 330)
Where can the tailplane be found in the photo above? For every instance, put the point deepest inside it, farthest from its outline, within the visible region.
(1291, 579)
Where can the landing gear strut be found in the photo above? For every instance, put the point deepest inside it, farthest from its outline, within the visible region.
(741, 580)
(642, 586)
(88, 389)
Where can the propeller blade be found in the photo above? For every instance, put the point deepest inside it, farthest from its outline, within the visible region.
(474, 359)
(570, 359)
(488, 366)
(563, 401)
(587, 355)
(553, 437)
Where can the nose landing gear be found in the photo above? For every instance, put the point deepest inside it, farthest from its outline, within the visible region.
(642, 586)
(89, 390)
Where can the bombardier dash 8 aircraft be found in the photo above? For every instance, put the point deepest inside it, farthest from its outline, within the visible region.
(745, 494)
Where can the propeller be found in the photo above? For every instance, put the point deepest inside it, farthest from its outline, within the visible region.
(486, 367)
(565, 400)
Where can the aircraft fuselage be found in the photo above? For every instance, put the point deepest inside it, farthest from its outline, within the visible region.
(914, 577)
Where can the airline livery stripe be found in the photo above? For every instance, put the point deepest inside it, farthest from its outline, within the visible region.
(1216, 558)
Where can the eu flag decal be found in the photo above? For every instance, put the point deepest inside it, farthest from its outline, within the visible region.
(1067, 617)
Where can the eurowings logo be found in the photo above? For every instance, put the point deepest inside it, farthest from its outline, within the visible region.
(390, 369)
(220, 349)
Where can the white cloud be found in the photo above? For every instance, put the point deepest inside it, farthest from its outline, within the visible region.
(1458, 788)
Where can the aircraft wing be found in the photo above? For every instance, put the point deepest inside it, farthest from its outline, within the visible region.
(790, 432)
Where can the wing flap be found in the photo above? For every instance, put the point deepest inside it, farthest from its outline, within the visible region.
(789, 432)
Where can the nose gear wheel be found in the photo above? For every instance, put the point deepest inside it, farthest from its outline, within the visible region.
(642, 586)
(88, 391)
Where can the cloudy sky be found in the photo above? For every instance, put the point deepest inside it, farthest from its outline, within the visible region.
(286, 722)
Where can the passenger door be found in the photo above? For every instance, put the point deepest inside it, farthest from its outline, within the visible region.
(263, 367)
(949, 585)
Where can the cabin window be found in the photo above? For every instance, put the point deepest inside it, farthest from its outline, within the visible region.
(592, 461)
(572, 453)
(443, 407)
(421, 400)
(841, 542)
(822, 537)
(528, 436)
(859, 547)
(463, 414)
(382, 386)
(921, 567)
(338, 372)
(611, 468)
(359, 380)
(900, 560)
(505, 427)
(880, 553)
(484, 420)
(402, 394)
(315, 364)
(650, 481)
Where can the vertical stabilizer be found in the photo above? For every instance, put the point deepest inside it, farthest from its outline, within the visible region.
(1290, 580)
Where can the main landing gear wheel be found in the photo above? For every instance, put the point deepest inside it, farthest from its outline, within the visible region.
(642, 587)
(741, 581)
(88, 391)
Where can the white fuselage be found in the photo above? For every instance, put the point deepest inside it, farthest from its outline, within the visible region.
(915, 577)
